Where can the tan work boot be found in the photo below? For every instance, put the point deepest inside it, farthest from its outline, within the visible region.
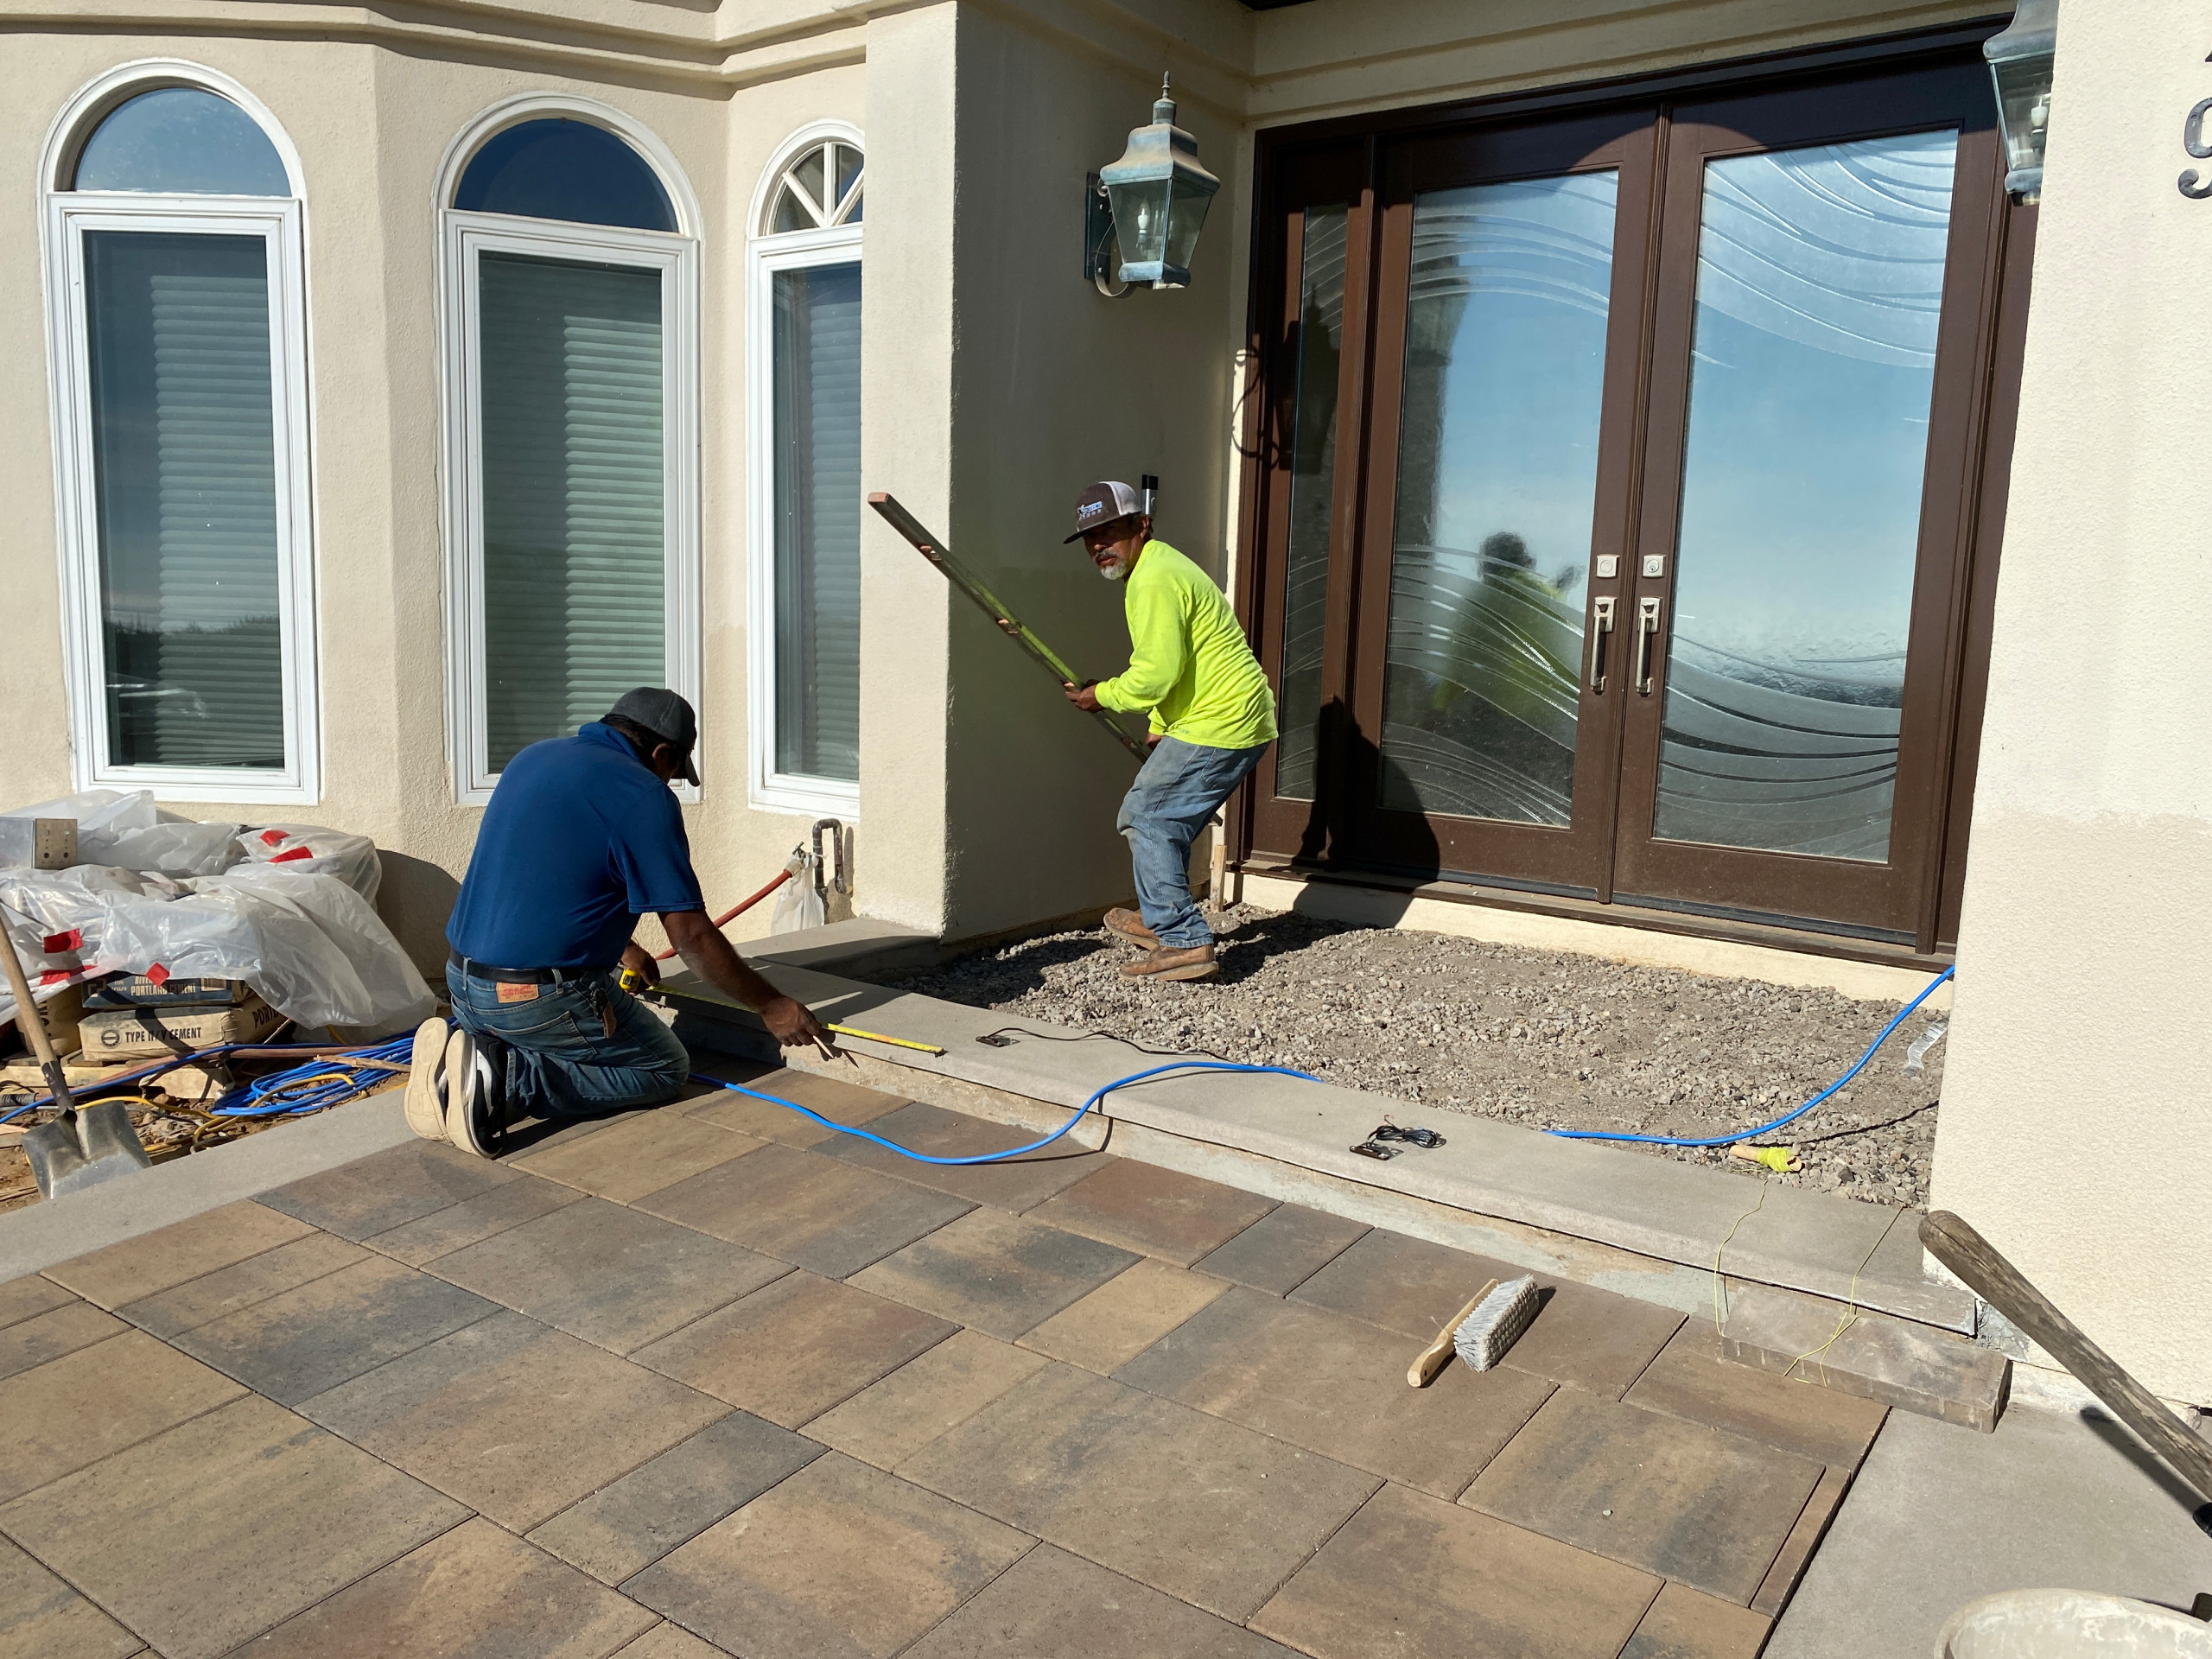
(1130, 925)
(1187, 961)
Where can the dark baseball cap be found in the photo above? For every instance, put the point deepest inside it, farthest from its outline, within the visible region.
(668, 717)
(1101, 504)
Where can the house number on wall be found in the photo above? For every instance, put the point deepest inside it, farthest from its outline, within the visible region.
(2192, 140)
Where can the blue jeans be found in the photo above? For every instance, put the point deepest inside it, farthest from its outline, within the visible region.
(564, 1064)
(1176, 794)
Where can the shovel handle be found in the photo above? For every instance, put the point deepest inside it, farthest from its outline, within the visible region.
(32, 1026)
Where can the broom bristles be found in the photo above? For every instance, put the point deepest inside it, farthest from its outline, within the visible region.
(1496, 1323)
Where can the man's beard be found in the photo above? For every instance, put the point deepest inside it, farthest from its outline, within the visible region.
(1114, 569)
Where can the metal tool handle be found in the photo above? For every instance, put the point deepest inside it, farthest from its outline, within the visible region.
(1601, 633)
(1647, 630)
(33, 1027)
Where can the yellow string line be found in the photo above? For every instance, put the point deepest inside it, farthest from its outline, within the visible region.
(1850, 1311)
(1740, 1220)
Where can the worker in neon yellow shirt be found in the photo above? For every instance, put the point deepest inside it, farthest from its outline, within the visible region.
(1212, 715)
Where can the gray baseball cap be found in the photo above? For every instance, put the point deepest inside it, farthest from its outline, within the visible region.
(1101, 504)
(668, 717)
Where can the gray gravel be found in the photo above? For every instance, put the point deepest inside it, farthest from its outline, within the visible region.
(1542, 1038)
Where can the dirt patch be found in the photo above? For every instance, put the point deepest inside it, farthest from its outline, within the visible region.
(1546, 1039)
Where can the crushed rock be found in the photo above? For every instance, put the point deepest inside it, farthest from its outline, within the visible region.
(1543, 1039)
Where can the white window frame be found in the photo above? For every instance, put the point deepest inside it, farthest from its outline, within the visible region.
(281, 223)
(464, 237)
(765, 254)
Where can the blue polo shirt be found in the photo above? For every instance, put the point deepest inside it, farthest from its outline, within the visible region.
(580, 840)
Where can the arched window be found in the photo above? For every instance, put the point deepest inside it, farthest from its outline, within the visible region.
(570, 324)
(173, 242)
(804, 375)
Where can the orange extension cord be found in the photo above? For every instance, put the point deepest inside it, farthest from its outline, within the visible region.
(729, 916)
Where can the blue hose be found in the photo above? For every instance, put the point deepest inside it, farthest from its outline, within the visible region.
(1011, 1152)
(1787, 1117)
(250, 1101)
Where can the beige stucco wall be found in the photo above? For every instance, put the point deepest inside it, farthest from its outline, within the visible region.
(370, 126)
(2077, 1112)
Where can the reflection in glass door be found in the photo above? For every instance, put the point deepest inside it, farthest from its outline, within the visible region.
(1497, 468)
(1312, 467)
(1820, 283)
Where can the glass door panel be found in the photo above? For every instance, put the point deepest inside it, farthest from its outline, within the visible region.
(1498, 467)
(1819, 285)
(1312, 463)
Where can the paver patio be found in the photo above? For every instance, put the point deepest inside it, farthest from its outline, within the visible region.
(710, 1380)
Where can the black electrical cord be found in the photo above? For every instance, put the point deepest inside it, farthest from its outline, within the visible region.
(1863, 1128)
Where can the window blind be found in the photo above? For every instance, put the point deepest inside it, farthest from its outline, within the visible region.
(574, 493)
(185, 476)
(817, 443)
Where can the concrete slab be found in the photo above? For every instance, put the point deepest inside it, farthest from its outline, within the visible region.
(1675, 1212)
(1940, 1515)
(46, 1233)
(1891, 1361)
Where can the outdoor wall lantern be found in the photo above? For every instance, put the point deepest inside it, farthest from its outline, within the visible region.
(1151, 204)
(2020, 62)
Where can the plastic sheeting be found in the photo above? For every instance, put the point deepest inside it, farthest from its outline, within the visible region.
(293, 916)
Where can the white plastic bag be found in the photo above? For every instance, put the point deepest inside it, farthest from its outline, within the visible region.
(314, 850)
(178, 848)
(800, 905)
(103, 815)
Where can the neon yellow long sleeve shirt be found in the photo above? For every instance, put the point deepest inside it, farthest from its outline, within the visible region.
(1189, 664)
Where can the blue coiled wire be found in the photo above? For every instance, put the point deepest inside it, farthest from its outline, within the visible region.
(1787, 1117)
(257, 1098)
(1011, 1152)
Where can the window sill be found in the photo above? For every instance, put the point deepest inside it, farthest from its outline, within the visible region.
(809, 798)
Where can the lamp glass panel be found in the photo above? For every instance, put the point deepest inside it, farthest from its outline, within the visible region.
(2022, 83)
(1186, 216)
(1140, 219)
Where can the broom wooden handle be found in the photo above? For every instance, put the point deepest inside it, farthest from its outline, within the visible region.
(33, 1027)
(1431, 1359)
(2000, 1284)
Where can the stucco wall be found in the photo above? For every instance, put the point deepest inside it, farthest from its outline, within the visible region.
(371, 126)
(2075, 1116)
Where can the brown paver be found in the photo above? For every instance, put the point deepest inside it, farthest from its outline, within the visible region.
(1283, 1248)
(840, 1102)
(889, 1421)
(1411, 1574)
(78, 1408)
(1684, 1624)
(1691, 1379)
(225, 1525)
(513, 1419)
(423, 1241)
(626, 1527)
(1002, 1274)
(1017, 1183)
(815, 1212)
(1202, 1508)
(306, 1340)
(607, 1273)
(1589, 1338)
(1691, 1503)
(41, 1617)
(1796, 1553)
(1162, 1212)
(48, 1336)
(1337, 1386)
(375, 1194)
(640, 1155)
(477, 1590)
(790, 1353)
(241, 1285)
(669, 1641)
(154, 1262)
(28, 1297)
(1124, 1316)
(840, 1560)
(1051, 1602)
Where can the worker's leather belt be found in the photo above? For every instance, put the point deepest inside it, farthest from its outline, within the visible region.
(520, 976)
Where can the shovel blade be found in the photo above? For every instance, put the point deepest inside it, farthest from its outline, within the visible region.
(94, 1147)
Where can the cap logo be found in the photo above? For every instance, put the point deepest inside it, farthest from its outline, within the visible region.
(1089, 510)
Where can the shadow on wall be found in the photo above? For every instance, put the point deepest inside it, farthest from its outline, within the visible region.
(416, 901)
(1343, 828)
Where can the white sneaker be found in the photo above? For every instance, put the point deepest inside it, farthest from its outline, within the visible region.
(426, 1081)
(470, 1100)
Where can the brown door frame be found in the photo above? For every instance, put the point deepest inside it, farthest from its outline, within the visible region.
(1882, 897)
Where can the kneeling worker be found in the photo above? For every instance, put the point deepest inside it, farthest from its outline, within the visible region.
(583, 836)
(1213, 715)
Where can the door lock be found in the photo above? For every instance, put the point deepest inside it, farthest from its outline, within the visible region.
(1601, 633)
(1654, 564)
(1647, 630)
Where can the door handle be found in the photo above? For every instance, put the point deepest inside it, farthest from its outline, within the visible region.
(1647, 630)
(1601, 631)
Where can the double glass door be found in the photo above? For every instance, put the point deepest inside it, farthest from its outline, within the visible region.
(1615, 531)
